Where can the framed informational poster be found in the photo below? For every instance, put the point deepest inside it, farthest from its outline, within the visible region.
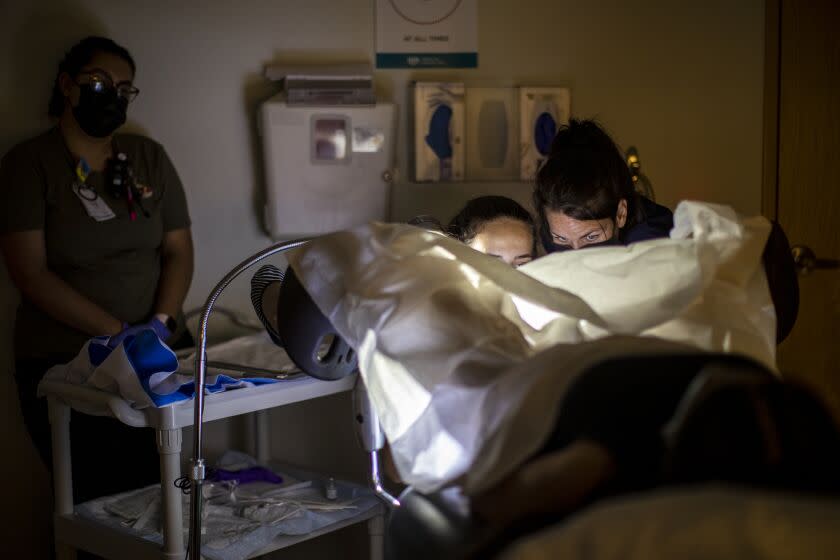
(426, 33)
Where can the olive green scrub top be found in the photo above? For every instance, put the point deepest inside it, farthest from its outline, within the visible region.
(114, 263)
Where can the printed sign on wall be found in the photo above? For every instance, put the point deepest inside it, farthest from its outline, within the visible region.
(426, 33)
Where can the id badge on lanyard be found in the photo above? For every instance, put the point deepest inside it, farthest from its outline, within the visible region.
(95, 207)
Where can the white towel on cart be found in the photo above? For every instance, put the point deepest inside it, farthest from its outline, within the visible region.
(142, 370)
(239, 520)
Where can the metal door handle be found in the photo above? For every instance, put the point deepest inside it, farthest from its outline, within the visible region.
(806, 260)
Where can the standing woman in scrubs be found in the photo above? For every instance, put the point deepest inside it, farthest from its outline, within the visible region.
(584, 194)
(95, 233)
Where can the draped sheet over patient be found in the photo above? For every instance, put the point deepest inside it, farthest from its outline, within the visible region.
(466, 358)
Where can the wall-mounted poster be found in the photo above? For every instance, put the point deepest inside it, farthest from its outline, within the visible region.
(426, 33)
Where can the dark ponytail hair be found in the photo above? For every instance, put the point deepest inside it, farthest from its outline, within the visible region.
(76, 58)
(585, 177)
(468, 222)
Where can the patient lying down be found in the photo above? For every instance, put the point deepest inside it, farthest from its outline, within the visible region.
(635, 423)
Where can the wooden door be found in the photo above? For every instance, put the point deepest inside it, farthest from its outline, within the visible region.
(807, 182)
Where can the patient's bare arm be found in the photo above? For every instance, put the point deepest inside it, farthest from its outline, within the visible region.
(554, 483)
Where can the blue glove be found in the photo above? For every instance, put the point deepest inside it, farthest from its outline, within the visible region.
(154, 324)
(438, 137)
(160, 329)
(545, 129)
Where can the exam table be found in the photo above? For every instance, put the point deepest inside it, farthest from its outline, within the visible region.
(712, 520)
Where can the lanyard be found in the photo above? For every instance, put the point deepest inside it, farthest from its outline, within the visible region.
(82, 172)
(123, 185)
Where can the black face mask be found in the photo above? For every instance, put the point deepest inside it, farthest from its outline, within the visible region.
(99, 113)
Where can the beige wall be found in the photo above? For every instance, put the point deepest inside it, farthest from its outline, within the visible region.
(682, 81)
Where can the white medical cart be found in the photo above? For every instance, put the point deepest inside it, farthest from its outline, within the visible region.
(73, 531)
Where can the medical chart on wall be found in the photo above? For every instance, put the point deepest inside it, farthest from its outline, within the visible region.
(426, 33)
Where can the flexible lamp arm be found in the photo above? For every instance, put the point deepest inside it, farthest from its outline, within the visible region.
(198, 469)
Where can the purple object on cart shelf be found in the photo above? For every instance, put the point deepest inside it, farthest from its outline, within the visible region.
(244, 476)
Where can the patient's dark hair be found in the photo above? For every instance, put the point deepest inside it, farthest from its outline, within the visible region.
(585, 177)
(427, 222)
(775, 435)
(468, 222)
(80, 54)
